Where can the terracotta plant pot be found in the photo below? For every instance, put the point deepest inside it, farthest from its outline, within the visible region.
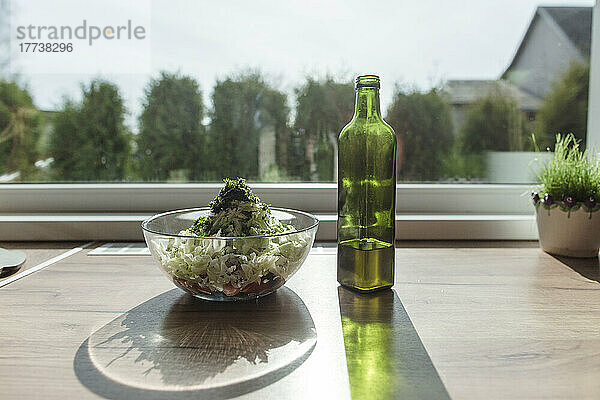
(574, 233)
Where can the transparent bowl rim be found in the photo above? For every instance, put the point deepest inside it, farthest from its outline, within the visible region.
(184, 210)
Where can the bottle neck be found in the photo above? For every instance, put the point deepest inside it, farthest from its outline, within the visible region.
(367, 103)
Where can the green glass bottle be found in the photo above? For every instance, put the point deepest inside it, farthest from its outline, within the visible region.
(366, 194)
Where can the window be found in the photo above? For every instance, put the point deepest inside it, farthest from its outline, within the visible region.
(262, 91)
(179, 93)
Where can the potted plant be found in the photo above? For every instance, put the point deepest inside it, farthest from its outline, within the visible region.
(567, 200)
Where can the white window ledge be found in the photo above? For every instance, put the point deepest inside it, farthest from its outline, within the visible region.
(311, 197)
(114, 211)
(126, 227)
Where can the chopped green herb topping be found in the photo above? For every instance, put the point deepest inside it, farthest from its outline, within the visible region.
(234, 190)
(236, 212)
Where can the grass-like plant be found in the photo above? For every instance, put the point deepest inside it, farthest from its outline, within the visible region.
(571, 178)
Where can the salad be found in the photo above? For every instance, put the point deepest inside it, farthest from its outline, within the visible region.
(246, 261)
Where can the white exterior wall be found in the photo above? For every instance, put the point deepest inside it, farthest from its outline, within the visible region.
(266, 150)
(547, 52)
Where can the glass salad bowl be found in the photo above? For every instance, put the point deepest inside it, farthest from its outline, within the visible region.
(228, 268)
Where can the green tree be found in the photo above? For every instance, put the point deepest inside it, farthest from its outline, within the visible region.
(20, 128)
(172, 136)
(248, 131)
(423, 124)
(66, 142)
(322, 110)
(493, 123)
(564, 109)
(90, 141)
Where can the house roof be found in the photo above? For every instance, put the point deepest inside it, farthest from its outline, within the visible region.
(462, 92)
(575, 23)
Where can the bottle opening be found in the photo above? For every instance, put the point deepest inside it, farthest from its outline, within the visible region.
(367, 81)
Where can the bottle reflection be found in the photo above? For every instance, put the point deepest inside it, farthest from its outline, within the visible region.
(384, 354)
(366, 324)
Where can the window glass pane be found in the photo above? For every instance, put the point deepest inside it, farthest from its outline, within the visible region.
(197, 91)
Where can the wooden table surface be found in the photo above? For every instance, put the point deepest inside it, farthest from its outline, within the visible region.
(465, 320)
(36, 253)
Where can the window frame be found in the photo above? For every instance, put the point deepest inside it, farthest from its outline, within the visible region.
(593, 123)
(313, 197)
(114, 211)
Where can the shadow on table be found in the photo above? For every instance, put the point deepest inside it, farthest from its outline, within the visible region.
(587, 267)
(175, 346)
(6, 272)
(384, 354)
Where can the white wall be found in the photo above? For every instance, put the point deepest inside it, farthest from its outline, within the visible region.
(547, 53)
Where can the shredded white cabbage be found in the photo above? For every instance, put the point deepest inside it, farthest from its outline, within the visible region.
(231, 265)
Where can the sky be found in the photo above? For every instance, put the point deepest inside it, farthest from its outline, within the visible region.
(416, 44)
